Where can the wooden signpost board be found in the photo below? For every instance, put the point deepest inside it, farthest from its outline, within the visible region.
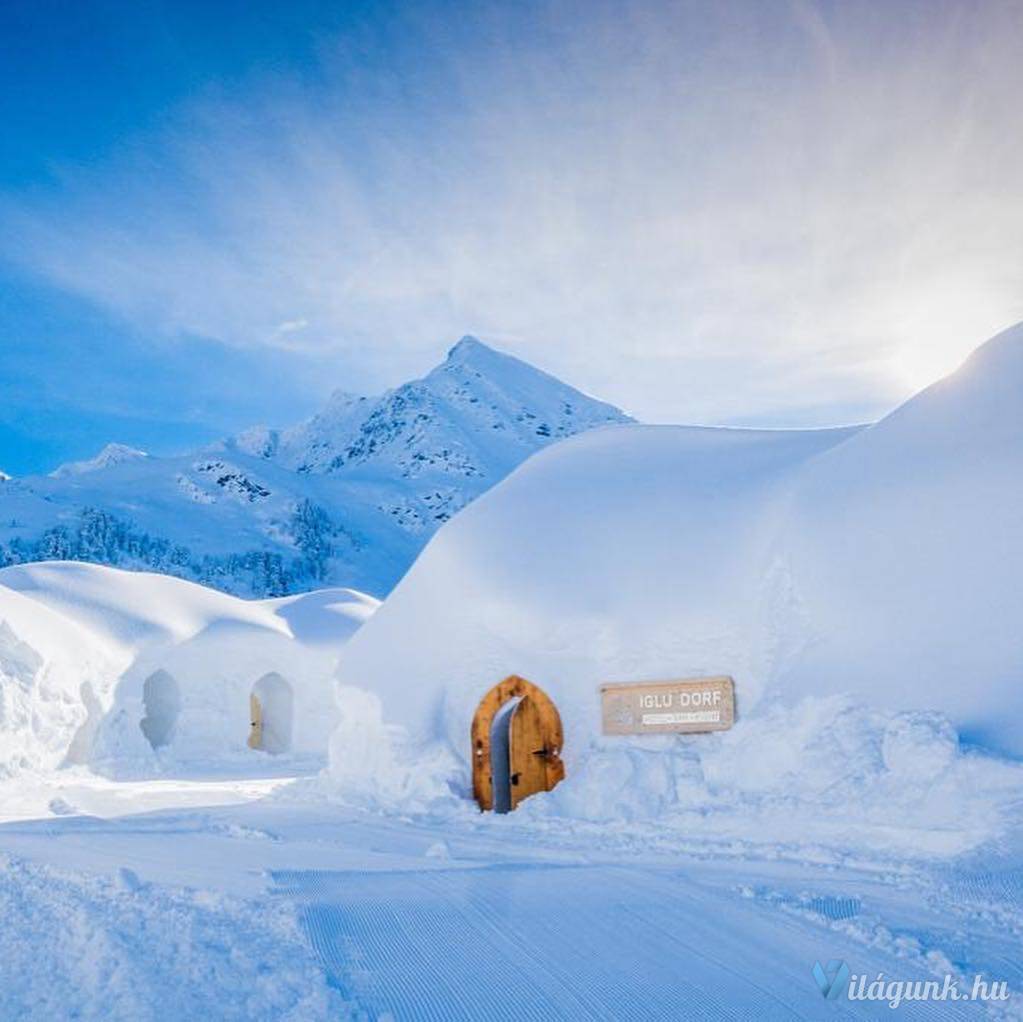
(686, 706)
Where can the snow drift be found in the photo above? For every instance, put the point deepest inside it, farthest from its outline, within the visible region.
(53, 674)
(880, 564)
(135, 671)
(905, 545)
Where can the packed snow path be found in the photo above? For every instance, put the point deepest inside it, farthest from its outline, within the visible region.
(540, 941)
(285, 906)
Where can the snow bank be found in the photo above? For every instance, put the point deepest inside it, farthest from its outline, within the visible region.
(880, 564)
(825, 776)
(905, 547)
(54, 674)
(825, 771)
(102, 948)
(136, 672)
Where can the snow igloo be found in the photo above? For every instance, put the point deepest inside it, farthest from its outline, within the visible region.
(878, 564)
(156, 673)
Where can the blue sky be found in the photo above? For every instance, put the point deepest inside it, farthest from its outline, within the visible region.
(81, 82)
(213, 214)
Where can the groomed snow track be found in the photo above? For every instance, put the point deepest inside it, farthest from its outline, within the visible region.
(540, 942)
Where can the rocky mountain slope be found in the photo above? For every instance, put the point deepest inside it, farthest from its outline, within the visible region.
(349, 497)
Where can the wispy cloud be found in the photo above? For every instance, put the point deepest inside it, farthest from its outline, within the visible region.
(726, 212)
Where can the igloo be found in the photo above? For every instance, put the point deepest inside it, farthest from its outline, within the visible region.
(159, 673)
(880, 563)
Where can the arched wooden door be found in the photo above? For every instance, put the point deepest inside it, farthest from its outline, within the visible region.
(534, 742)
(271, 714)
(256, 721)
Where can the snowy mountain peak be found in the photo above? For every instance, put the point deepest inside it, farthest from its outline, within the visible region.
(467, 348)
(472, 356)
(112, 454)
(341, 401)
(348, 497)
(475, 416)
(257, 441)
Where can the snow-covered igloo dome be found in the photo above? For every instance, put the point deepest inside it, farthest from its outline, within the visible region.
(879, 562)
(133, 671)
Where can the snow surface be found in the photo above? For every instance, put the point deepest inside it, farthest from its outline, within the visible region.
(834, 574)
(348, 498)
(113, 947)
(155, 900)
(861, 586)
(79, 642)
(112, 454)
(905, 550)
(52, 672)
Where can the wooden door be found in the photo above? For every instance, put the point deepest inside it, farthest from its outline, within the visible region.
(529, 749)
(256, 718)
(535, 740)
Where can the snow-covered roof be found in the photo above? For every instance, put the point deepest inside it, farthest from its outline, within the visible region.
(883, 561)
(78, 643)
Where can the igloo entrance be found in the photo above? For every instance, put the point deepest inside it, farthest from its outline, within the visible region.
(271, 708)
(516, 745)
(161, 698)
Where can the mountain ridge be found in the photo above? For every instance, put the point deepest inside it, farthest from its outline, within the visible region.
(347, 497)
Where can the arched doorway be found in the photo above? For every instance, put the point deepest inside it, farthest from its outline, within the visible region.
(271, 709)
(516, 745)
(161, 698)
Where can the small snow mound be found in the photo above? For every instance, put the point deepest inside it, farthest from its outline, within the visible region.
(324, 615)
(919, 746)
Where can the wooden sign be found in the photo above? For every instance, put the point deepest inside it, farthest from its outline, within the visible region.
(686, 706)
